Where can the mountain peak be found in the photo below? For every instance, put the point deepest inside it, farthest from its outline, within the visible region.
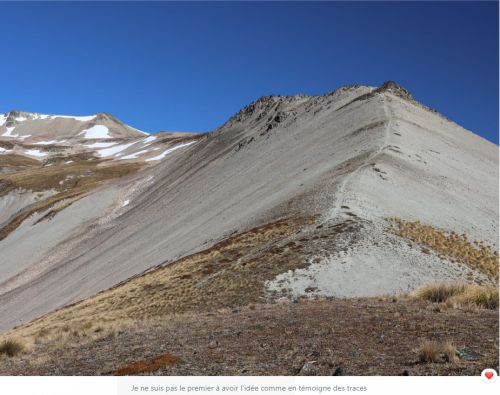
(32, 126)
(395, 88)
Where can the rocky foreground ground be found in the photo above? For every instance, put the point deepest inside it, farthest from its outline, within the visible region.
(376, 336)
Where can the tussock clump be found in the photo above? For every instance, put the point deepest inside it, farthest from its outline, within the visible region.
(476, 297)
(428, 351)
(449, 352)
(432, 351)
(462, 296)
(439, 293)
(11, 347)
(476, 255)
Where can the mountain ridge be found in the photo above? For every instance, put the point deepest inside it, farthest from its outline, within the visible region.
(262, 104)
(347, 165)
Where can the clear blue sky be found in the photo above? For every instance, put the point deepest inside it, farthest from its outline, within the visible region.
(190, 66)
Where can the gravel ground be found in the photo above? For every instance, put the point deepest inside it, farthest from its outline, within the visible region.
(372, 336)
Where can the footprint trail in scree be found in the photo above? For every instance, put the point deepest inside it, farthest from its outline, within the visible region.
(335, 212)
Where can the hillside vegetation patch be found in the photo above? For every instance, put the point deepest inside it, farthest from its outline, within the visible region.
(460, 295)
(71, 181)
(477, 255)
(231, 273)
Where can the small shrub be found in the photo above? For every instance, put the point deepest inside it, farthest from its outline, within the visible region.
(428, 351)
(11, 347)
(449, 352)
(432, 351)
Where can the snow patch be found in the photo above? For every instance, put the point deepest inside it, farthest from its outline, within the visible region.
(165, 153)
(114, 150)
(37, 116)
(9, 133)
(35, 152)
(45, 142)
(99, 145)
(81, 119)
(149, 139)
(96, 132)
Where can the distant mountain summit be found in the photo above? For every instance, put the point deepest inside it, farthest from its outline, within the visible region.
(57, 137)
(34, 127)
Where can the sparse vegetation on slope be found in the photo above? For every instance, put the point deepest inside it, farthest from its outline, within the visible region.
(63, 177)
(457, 247)
(229, 274)
(14, 162)
(71, 181)
(361, 336)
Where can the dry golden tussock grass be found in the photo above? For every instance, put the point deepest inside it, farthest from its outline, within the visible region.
(457, 247)
(11, 347)
(433, 351)
(77, 333)
(17, 162)
(476, 297)
(231, 273)
(428, 351)
(464, 296)
(63, 177)
(439, 292)
(449, 352)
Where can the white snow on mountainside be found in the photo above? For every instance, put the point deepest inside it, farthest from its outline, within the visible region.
(59, 136)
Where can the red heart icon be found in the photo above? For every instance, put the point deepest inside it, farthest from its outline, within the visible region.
(488, 375)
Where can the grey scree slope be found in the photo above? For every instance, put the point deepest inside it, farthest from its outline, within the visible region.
(280, 156)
